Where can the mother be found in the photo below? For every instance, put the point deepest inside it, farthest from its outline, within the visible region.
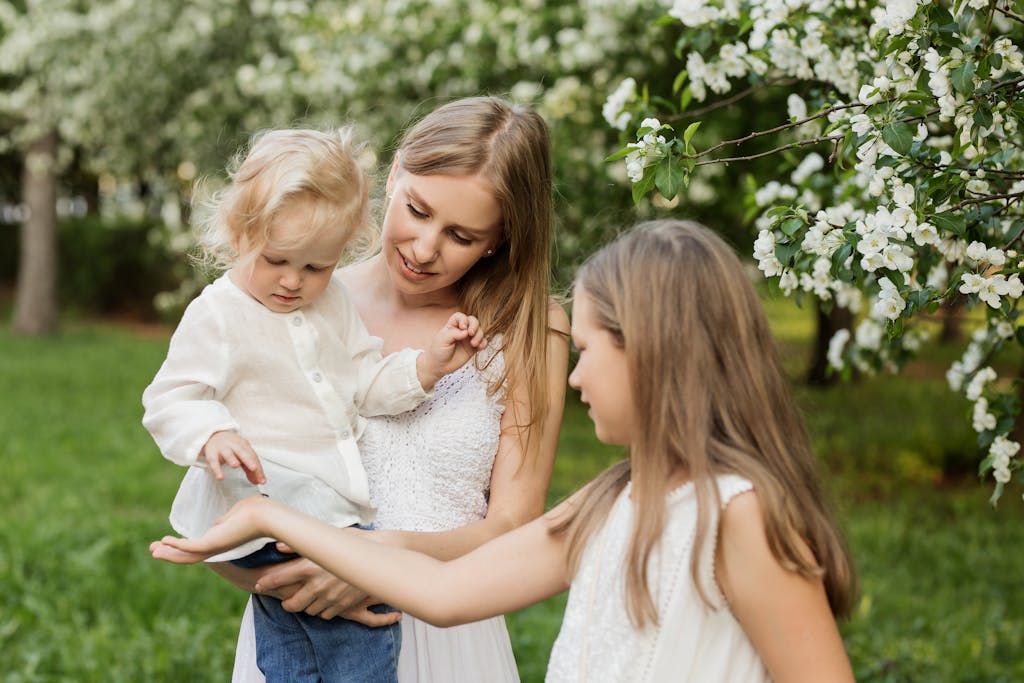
(467, 227)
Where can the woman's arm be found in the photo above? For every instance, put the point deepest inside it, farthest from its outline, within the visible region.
(334, 596)
(518, 569)
(786, 616)
(519, 478)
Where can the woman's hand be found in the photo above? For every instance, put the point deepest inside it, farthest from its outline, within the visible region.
(240, 524)
(317, 591)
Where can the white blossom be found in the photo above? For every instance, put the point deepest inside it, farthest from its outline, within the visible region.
(981, 419)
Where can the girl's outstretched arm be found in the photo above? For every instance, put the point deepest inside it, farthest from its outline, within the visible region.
(786, 616)
(512, 571)
(518, 489)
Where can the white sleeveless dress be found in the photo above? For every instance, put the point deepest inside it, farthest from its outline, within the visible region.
(692, 643)
(430, 470)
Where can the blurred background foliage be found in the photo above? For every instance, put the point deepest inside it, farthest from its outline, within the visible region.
(146, 99)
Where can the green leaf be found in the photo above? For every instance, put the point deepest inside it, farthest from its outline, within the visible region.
(618, 155)
(690, 130)
(841, 254)
(685, 98)
(786, 251)
(962, 78)
(669, 177)
(790, 226)
(1016, 228)
(645, 185)
(996, 60)
(997, 493)
(951, 222)
(678, 82)
(899, 136)
(983, 117)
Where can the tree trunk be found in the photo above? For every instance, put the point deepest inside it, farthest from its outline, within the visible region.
(951, 313)
(35, 304)
(828, 324)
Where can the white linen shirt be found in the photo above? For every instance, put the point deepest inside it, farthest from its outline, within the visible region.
(293, 384)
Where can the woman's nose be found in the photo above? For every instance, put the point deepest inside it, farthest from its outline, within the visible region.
(424, 248)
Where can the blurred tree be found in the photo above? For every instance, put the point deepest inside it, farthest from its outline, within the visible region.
(122, 86)
(160, 93)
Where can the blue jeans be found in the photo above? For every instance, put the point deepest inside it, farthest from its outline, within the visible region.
(299, 647)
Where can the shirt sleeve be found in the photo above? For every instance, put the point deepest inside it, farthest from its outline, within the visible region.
(386, 385)
(181, 411)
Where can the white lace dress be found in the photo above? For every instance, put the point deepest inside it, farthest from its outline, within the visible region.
(430, 470)
(693, 644)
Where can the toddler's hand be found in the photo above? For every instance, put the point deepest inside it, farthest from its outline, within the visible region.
(229, 448)
(452, 346)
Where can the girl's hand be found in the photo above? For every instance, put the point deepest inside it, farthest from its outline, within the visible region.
(240, 524)
(231, 449)
(452, 346)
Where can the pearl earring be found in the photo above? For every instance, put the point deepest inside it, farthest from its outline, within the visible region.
(490, 251)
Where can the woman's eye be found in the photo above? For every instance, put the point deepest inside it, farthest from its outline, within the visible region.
(416, 212)
(459, 239)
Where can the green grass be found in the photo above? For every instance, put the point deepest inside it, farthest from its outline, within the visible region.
(85, 490)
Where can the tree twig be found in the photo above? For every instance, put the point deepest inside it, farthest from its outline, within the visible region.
(792, 145)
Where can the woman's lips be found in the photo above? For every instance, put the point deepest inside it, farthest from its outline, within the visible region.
(410, 271)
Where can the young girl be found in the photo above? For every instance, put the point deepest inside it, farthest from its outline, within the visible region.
(709, 555)
(269, 371)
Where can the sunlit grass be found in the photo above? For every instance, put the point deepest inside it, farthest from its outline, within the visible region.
(85, 491)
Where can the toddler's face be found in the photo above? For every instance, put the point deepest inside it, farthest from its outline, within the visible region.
(286, 274)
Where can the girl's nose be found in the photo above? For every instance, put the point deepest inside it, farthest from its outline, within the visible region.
(574, 381)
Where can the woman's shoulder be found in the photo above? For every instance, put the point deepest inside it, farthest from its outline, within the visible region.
(558, 319)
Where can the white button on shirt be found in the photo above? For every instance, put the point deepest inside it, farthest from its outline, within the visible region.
(294, 385)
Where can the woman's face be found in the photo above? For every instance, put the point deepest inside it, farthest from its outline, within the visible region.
(436, 228)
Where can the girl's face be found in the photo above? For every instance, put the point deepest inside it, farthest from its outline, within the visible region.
(601, 375)
(436, 228)
(285, 277)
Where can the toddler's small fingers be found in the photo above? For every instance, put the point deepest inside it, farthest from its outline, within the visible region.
(215, 468)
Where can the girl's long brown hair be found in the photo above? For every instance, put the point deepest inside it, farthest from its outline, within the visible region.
(509, 291)
(709, 399)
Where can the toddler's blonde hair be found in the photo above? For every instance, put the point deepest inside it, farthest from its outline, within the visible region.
(276, 167)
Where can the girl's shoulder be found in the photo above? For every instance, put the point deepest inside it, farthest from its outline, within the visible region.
(731, 485)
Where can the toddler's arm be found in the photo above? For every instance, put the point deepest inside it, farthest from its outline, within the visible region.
(181, 410)
(452, 346)
(387, 385)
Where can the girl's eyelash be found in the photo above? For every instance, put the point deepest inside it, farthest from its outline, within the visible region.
(415, 212)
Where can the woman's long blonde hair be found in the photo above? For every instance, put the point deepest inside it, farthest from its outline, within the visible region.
(709, 399)
(508, 145)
